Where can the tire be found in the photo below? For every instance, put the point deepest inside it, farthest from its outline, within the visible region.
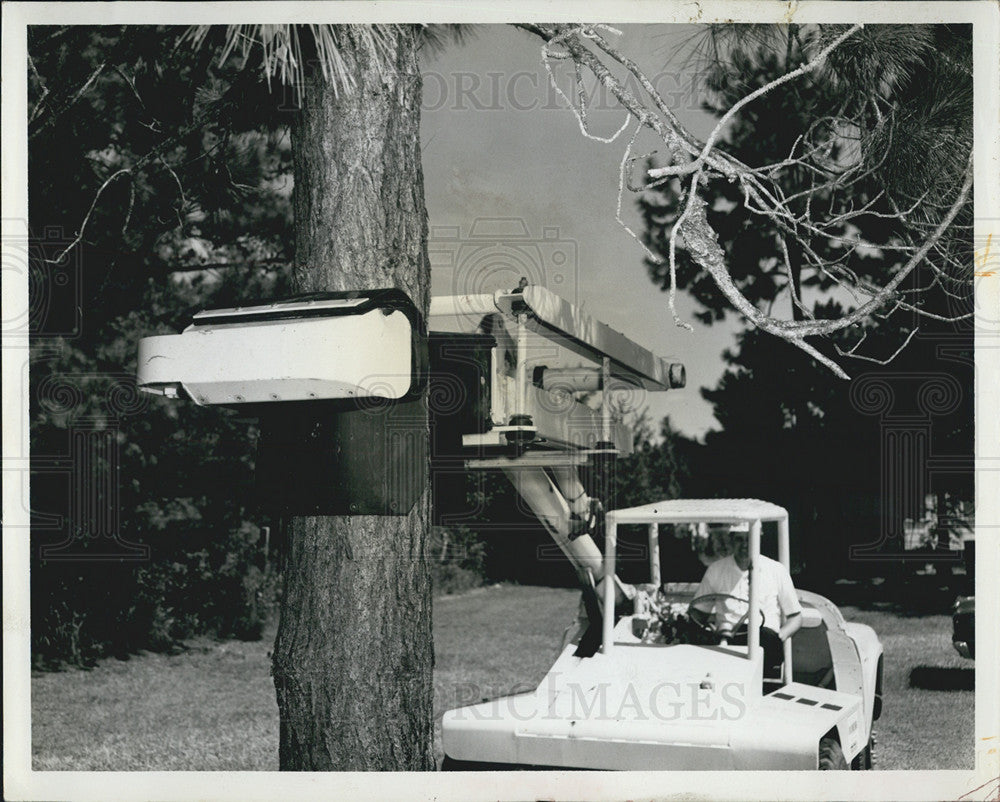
(865, 760)
(831, 756)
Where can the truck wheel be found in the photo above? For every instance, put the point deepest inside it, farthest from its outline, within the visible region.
(866, 757)
(831, 756)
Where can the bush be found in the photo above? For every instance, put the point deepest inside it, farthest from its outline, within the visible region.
(172, 478)
(457, 559)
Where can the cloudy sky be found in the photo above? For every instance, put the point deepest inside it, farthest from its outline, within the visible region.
(503, 157)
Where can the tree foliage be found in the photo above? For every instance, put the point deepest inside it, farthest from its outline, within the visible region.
(152, 174)
(160, 185)
(885, 126)
(791, 432)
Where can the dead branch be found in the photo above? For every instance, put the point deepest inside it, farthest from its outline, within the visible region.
(796, 216)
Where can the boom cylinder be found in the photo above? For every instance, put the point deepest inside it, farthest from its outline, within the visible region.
(550, 505)
(568, 481)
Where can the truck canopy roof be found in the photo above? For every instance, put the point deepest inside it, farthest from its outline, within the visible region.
(696, 510)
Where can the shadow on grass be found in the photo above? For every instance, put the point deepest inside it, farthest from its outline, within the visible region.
(938, 678)
(914, 597)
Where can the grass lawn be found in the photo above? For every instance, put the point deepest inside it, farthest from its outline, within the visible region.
(213, 707)
(928, 721)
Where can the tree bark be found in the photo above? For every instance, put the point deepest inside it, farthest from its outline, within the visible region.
(353, 656)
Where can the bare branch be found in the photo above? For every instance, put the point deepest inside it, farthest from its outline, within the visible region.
(622, 180)
(851, 353)
(821, 358)
(811, 65)
(791, 280)
(83, 225)
(712, 260)
(581, 113)
(54, 116)
(692, 194)
(762, 192)
(44, 92)
(180, 189)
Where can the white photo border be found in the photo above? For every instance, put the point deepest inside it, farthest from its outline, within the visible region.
(21, 782)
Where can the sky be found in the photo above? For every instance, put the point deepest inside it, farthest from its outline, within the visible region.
(505, 162)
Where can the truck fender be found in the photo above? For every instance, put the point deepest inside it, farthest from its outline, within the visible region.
(869, 650)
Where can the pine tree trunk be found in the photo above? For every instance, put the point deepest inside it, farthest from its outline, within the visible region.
(353, 656)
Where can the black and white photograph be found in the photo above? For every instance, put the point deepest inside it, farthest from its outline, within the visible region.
(464, 401)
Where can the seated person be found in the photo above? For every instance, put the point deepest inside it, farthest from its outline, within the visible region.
(779, 604)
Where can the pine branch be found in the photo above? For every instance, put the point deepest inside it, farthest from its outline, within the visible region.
(820, 162)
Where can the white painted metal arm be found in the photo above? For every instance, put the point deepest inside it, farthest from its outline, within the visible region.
(753, 636)
(784, 557)
(544, 498)
(610, 543)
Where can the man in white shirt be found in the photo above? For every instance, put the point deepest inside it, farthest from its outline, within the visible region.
(730, 576)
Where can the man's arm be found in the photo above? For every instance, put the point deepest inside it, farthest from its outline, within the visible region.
(793, 623)
(788, 601)
(705, 587)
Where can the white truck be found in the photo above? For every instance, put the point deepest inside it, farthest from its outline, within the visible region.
(655, 690)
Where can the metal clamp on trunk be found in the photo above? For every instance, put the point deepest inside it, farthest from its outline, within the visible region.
(336, 380)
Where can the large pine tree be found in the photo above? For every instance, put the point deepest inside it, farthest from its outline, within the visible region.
(353, 656)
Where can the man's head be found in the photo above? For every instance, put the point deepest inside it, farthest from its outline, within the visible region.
(718, 538)
(738, 543)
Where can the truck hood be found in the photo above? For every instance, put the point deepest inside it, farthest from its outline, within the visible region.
(649, 707)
